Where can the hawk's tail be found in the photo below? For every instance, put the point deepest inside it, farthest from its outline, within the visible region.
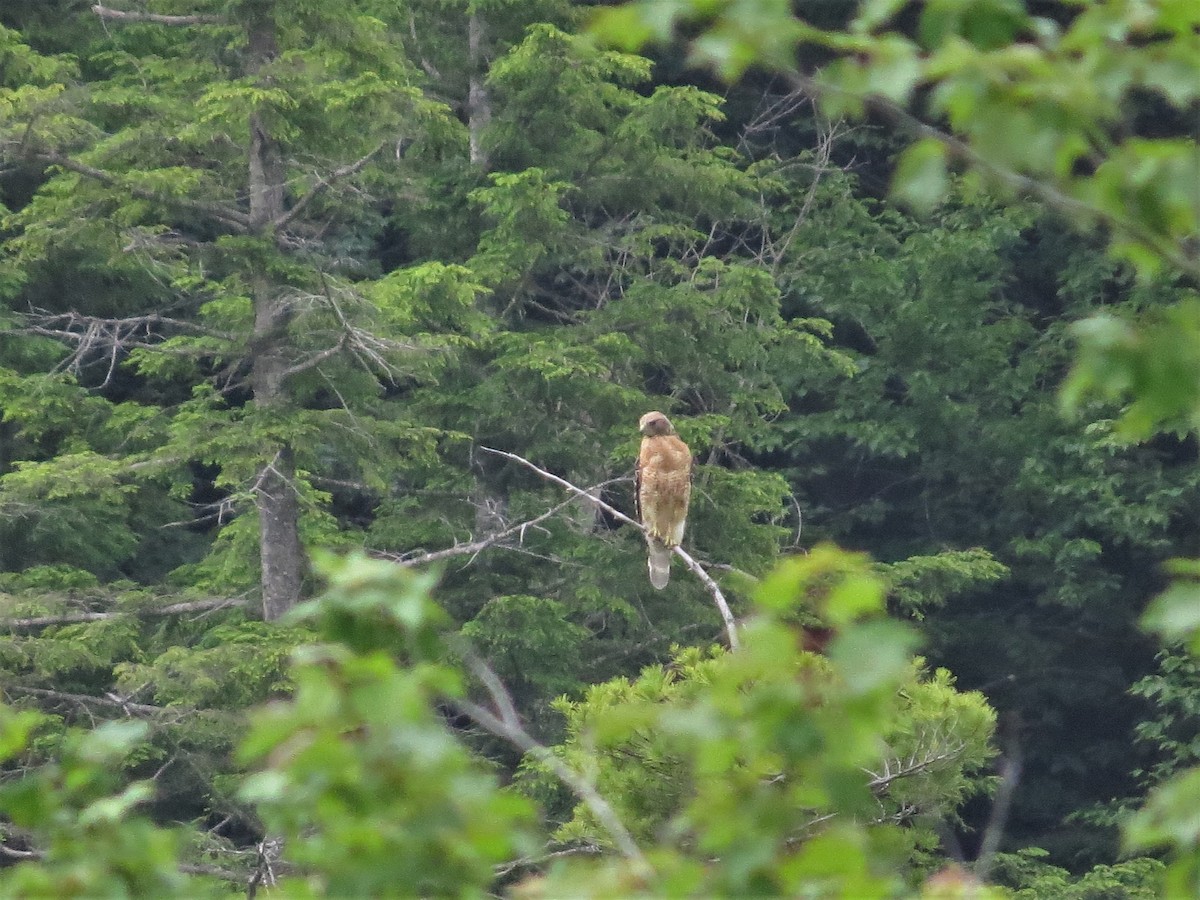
(659, 562)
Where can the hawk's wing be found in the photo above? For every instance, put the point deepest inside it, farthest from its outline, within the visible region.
(637, 489)
(663, 487)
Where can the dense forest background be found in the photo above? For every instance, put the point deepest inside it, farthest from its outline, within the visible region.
(278, 282)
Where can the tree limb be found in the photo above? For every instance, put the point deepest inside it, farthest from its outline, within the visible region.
(110, 702)
(506, 723)
(118, 15)
(93, 335)
(323, 183)
(898, 769)
(709, 584)
(1010, 776)
(36, 623)
(475, 547)
(507, 868)
(229, 216)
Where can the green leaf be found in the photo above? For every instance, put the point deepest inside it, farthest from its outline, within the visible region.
(921, 179)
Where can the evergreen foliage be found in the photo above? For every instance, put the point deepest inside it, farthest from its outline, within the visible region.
(276, 277)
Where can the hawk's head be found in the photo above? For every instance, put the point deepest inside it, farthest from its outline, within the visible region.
(655, 423)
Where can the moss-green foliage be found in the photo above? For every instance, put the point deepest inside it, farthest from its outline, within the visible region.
(531, 643)
(768, 768)
(757, 761)
(373, 793)
(605, 244)
(930, 759)
(1030, 877)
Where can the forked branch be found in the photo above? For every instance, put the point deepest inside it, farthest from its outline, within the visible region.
(709, 584)
(473, 548)
(321, 185)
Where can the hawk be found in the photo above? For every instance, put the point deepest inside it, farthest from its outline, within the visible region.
(663, 488)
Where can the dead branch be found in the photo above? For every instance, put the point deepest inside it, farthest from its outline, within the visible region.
(94, 336)
(322, 184)
(709, 584)
(474, 548)
(369, 349)
(122, 16)
(897, 769)
(550, 855)
(269, 853)
(36, 623)
(112, 701)
(316, 359)
(505, 723)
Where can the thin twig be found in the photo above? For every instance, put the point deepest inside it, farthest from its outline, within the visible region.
(709, 584)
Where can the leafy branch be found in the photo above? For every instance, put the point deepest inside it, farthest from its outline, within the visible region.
(231, 218)
(961, 151)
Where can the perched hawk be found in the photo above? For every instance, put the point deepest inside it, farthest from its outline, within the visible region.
(664, 485)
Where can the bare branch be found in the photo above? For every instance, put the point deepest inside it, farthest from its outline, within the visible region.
(317, 358)
(369, 349)
(94, 335)
(110, 702)
(475, 547)
(895, 770)
(269, 856)
(36, 623)
(550, 855)
(121, 16)
(506, 723)
(709, 584)
(323, 183)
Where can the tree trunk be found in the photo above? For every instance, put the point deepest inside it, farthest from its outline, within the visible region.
(281, 553)
(479, 108)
